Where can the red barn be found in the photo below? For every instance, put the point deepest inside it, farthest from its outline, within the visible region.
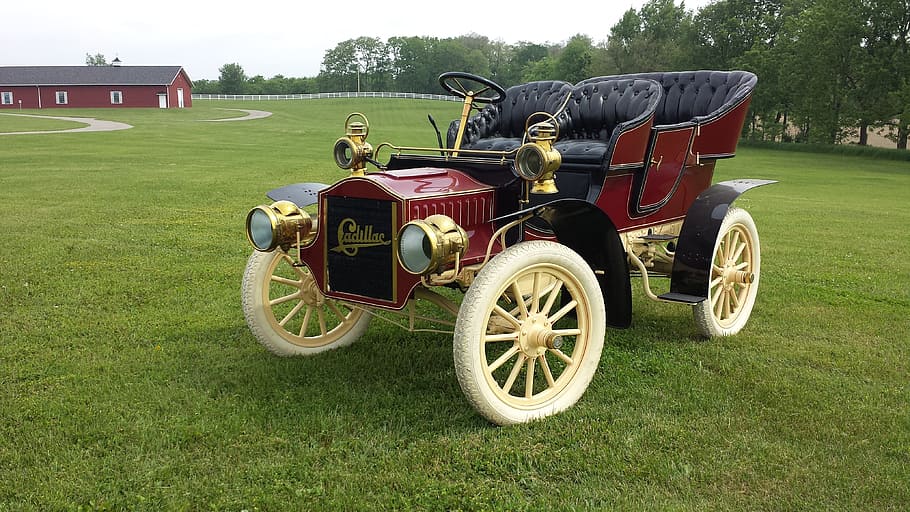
(94, 86)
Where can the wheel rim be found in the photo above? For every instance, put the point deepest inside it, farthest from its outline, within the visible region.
(298, 311)
(534, 343)
(732, 275)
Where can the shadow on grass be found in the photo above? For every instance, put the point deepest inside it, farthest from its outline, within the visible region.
(383, 381)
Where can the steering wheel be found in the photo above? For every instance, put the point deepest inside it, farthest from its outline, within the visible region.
(480, 89)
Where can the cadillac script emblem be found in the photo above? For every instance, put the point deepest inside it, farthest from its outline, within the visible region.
(352, 238)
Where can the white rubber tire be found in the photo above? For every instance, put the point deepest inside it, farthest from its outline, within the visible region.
(730, 301)
(309, 323)
(484, 338)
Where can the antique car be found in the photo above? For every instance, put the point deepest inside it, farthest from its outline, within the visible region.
(519, 234)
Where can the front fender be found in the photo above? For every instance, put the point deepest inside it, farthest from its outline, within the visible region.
(587, 230)
(695, 249)
(301, 194)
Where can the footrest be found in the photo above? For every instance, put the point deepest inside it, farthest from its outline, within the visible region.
(682, 298)
(658, 238)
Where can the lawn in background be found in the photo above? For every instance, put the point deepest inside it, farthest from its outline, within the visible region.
(128, 378)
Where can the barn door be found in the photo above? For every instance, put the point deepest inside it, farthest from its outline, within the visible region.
(179, 98)
(162, 101)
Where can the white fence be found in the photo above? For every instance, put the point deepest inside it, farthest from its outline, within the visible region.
(324, 95)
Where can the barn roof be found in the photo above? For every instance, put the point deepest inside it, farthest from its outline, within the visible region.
(88, 75)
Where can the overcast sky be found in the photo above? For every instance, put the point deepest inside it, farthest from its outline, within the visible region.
(274, 37)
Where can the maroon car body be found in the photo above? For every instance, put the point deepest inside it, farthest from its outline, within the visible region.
(549, 197)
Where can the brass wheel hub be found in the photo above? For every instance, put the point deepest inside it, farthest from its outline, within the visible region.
(536, 336)
(733, 277)
(309, 293)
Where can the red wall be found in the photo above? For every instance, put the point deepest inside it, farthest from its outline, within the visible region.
(94, 96)
(181, 82)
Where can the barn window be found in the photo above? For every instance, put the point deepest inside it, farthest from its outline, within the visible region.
(61, 98)
(116, 97)
(7, 97)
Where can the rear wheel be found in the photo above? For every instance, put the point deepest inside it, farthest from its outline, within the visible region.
(734, 277)
(288, 314)
(529, 333)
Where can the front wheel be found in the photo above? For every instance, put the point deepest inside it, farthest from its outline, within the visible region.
(529, 333)
(288, 314)
(734, 277)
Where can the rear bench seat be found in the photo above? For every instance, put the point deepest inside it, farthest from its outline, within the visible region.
(698, 98)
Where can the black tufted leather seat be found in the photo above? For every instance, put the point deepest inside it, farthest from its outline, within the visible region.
(500, 126)
(597, 113)
(695, 96)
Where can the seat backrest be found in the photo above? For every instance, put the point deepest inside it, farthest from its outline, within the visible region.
(507, 118)
(695, 95)
(523, 100)
(597, 108)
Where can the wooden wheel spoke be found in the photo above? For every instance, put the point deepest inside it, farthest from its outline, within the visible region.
(739, 251)
(742, 266)
(529, 378)
(503, 359)
(516, 369)
(506, 316)
(715, 296)
(320, 315)
(547, 374)
(715, 282)
(306, 321)
(535, 293)
(734, 301)
(519, 298)
(292, 313)
(337, 312)
(718, 304)
(554, 294)
(563, 312)
(284, 280)
(562, 355)
(282, 300)
(509, 336)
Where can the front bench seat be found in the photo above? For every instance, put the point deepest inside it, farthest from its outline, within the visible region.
(500, 126)
(597, 114)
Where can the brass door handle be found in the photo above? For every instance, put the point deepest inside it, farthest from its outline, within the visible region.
(657, 163)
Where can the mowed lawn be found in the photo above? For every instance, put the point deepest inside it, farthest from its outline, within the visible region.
(129, 380)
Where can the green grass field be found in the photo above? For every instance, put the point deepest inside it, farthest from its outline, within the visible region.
(129, 380)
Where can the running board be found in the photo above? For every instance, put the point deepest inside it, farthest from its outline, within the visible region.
(682, 298)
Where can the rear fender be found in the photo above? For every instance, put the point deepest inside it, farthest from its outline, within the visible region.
(587, 230)
(695, 249)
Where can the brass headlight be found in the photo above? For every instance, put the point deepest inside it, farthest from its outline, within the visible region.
(352, 150)
(277, 225)
(537, 160)
(427, 245)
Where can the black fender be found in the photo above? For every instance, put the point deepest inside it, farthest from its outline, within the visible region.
(301, 194)
(695, 248)
(587, 230)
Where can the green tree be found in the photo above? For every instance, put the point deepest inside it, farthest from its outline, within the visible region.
(411, 63)
(523, 56)
(357, 65)
(232, 79)
(657, 36)
(95, 60)
(574, 61)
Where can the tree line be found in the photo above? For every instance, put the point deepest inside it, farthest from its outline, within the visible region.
(828, 70)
